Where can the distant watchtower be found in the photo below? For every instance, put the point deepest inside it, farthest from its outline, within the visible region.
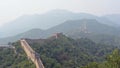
(56, 35)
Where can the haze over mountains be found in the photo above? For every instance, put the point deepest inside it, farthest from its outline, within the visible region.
(77, 39)
(73, 28)
(47, 20)
(114, 18)
(73, 24)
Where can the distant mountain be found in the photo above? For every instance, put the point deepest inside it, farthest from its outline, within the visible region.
(33, 34)
(114, 18)
(88, 26)
(45, 21)
(73, 28)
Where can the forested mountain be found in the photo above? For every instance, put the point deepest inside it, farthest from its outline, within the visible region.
(60, 52)
(34, 34)
(45, 21)
(113, 18)
(89, 28)
(106, 39)
(112, 61)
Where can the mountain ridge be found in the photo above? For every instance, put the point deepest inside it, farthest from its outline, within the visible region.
(72, 28)
(61, 52)
(25, 23)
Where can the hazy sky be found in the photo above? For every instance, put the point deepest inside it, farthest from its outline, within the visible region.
(11, 9)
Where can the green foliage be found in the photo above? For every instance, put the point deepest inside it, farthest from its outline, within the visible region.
(112, 61)
(62, 52)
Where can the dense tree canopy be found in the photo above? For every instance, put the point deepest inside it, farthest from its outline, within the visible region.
(112, 61)
(62, 52)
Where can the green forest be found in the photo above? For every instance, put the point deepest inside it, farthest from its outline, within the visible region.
(112, 61)
(63, 52)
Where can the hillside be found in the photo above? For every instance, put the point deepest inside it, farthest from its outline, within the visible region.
(60, 52)
(45, 21)
(33, 34)
(112, 61)
(89, 28)
(114, 18)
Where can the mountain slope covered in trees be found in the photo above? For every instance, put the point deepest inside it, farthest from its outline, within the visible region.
(73, 28)
(46, 21)
(112, 61)
(60, 52)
